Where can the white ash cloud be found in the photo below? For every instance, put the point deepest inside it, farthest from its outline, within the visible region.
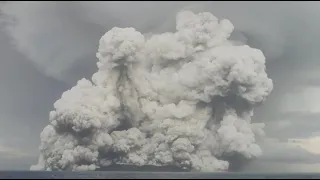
(184, 98)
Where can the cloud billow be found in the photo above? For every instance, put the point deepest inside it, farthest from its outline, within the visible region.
(183, 99)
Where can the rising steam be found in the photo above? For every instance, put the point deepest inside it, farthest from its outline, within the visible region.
(183, 99)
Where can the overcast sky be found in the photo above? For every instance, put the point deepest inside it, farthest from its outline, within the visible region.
(53, 44)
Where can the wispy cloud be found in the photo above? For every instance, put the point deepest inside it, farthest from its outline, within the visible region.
(10, 152)
(311, 144)
(290, 151)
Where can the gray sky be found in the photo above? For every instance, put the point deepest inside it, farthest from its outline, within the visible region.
(54, 45)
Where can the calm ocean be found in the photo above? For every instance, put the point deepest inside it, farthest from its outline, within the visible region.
(149, 175)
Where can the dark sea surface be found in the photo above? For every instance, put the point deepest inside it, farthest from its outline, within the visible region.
(153, 172)
(150, 175)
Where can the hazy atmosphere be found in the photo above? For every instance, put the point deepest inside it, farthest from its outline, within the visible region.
(46, 47)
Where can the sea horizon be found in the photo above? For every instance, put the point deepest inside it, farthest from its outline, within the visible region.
(150, 175)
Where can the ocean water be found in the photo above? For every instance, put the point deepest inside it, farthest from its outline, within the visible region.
(267, 171)
(150, 175)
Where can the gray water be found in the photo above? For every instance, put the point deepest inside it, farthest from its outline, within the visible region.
(150, 175)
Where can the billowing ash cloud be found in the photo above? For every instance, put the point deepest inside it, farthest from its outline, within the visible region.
(183, 99)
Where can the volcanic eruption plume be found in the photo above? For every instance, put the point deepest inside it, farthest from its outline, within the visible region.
(184, 99)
